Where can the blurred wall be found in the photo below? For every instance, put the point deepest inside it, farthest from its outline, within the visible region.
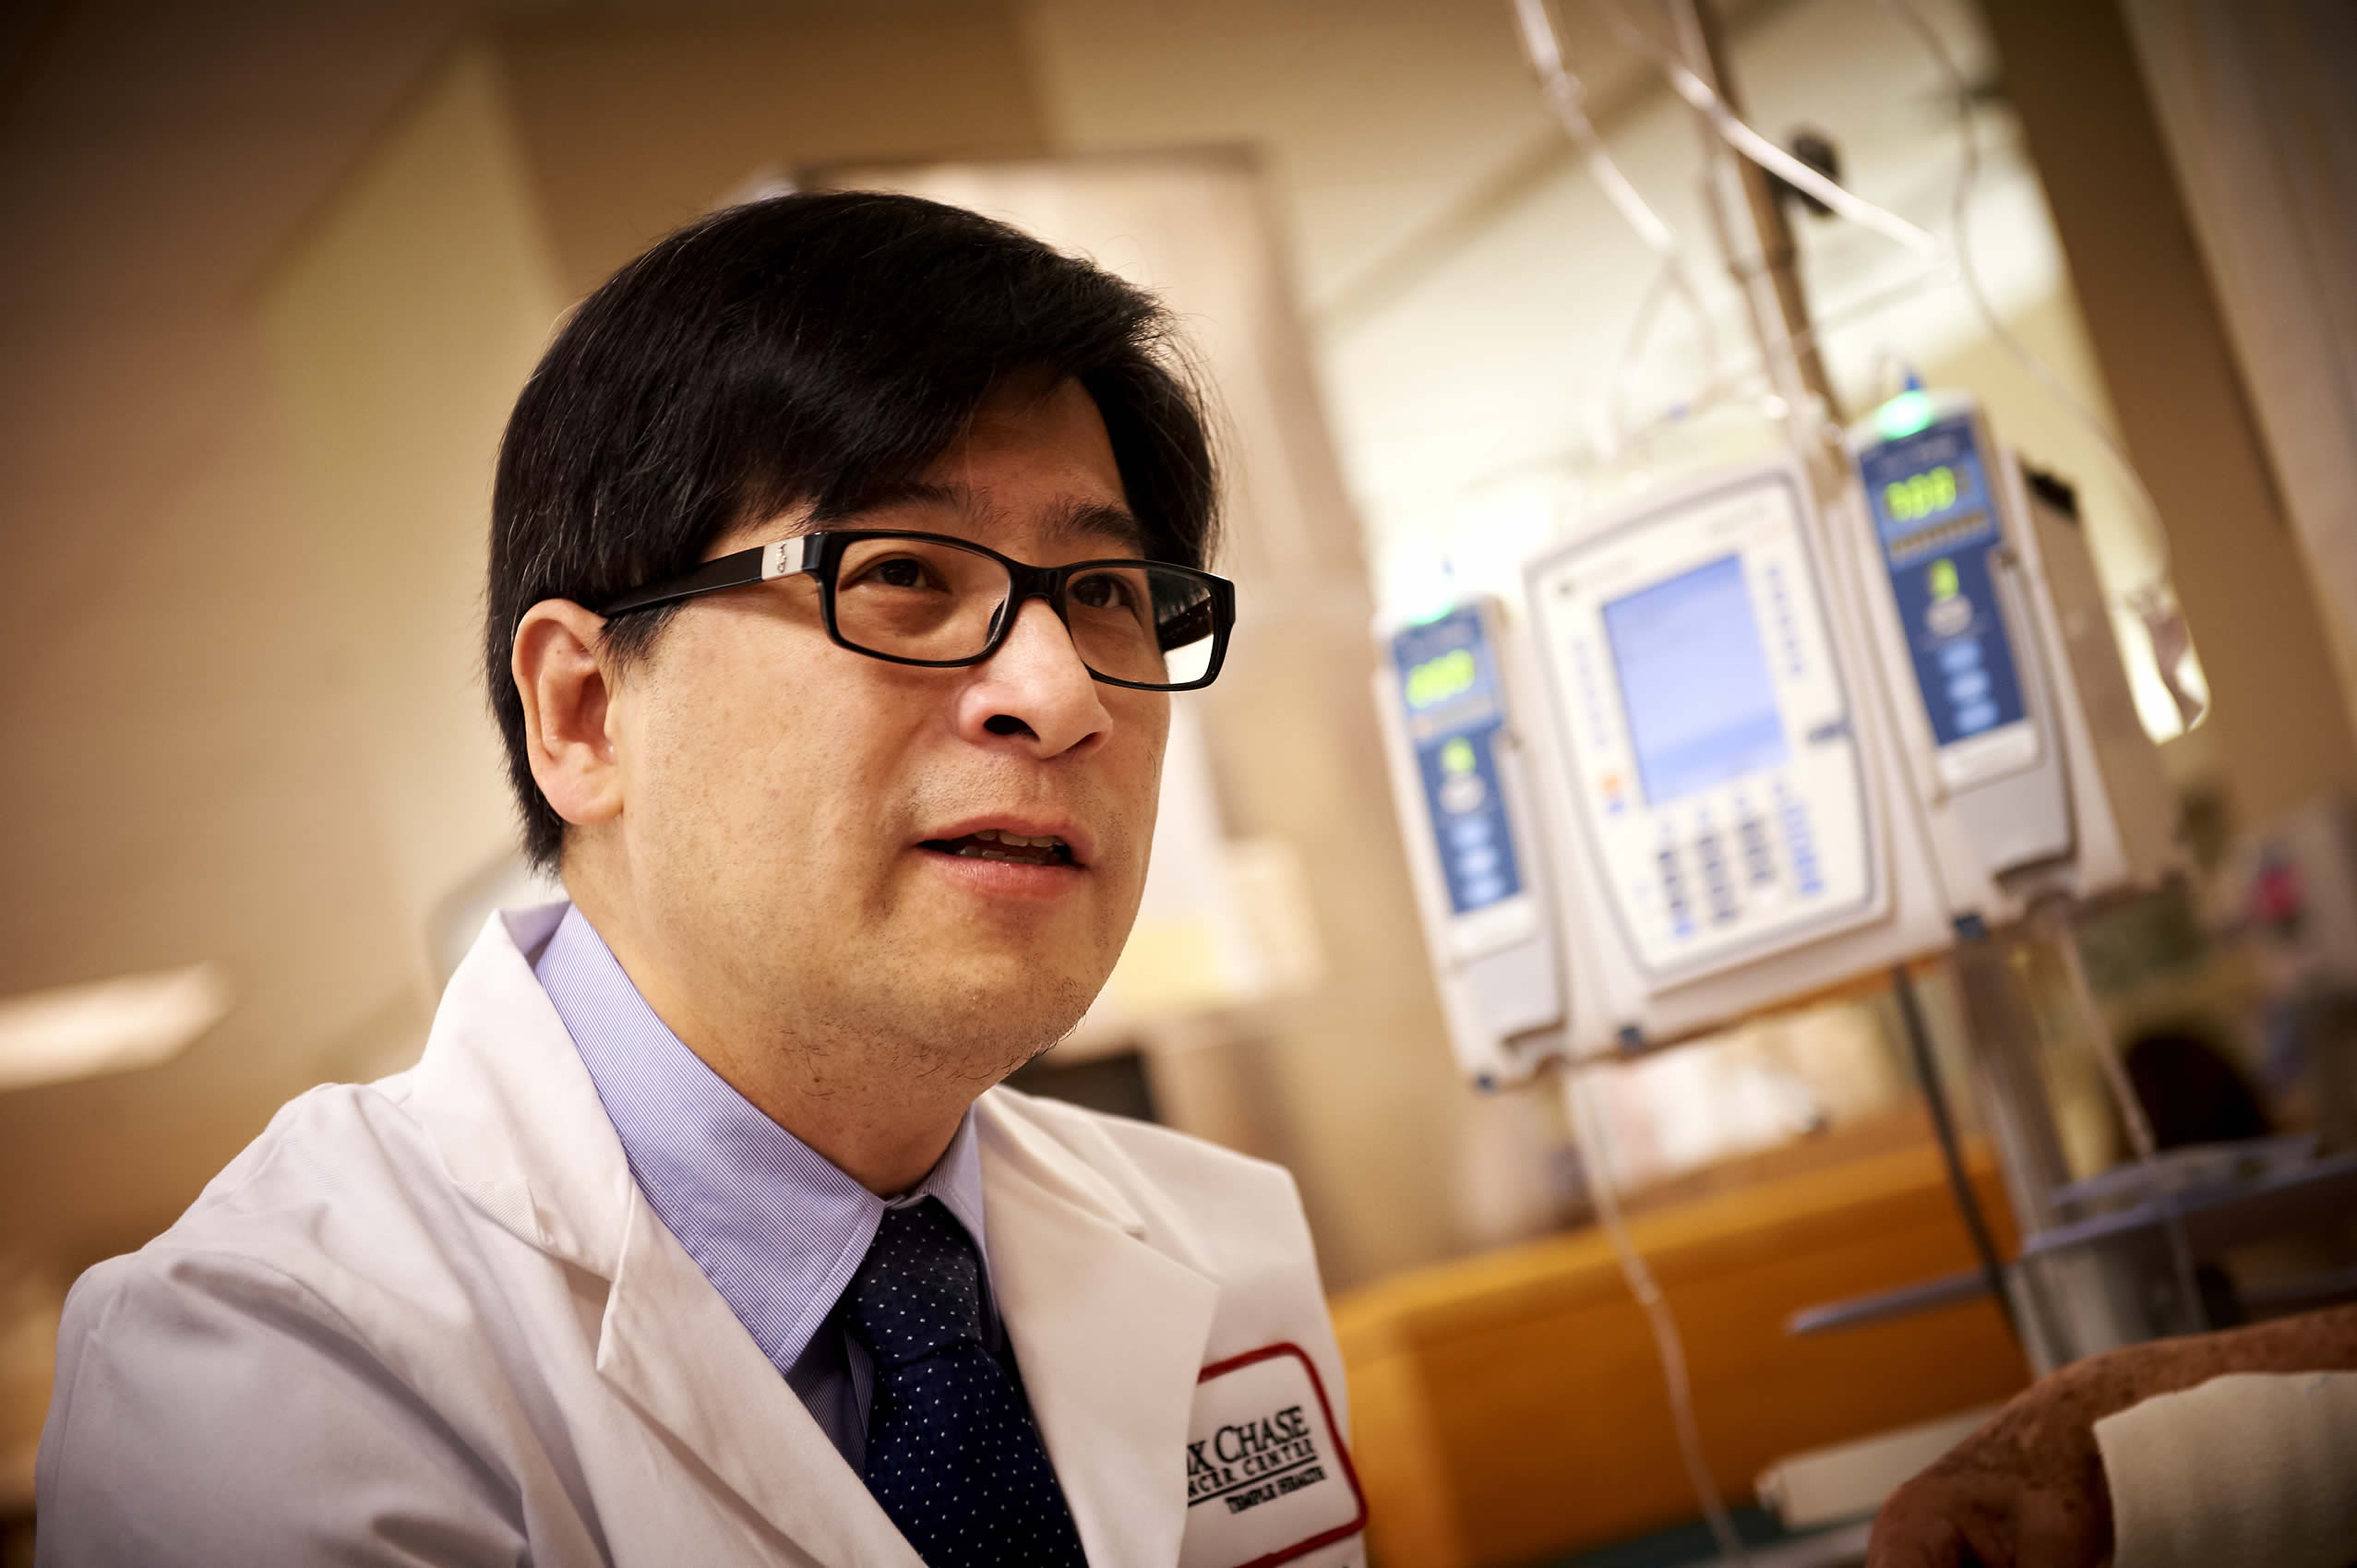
(635, 120)
(398, 330)
(2252, 97)
(193, 774)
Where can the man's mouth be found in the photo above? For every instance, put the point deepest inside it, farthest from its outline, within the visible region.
(991, 843)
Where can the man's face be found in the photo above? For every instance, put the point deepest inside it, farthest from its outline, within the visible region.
(788, 799)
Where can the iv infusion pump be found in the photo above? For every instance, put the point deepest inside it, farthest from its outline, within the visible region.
(2022, 732)
(1462, 781)
(1735, 745)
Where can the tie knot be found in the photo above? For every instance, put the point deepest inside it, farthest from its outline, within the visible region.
(919, 1289)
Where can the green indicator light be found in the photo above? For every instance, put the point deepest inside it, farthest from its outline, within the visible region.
(1902, 415)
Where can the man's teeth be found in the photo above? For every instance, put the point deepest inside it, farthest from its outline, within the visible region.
(994, 844)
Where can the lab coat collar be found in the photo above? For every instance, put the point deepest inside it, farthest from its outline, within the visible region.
(511, 1108)
(1108, 1331)
(522, 1131)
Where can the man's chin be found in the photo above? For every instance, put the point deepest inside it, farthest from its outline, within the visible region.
(1005, 1011)
(1033, 1022)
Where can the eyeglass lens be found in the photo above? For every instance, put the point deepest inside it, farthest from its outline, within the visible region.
(923, 599)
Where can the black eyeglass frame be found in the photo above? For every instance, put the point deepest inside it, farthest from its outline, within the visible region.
(819, 553)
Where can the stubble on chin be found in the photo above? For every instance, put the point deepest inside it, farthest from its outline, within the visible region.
(909, 1021)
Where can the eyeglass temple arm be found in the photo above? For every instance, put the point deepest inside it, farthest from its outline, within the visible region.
(780, 558)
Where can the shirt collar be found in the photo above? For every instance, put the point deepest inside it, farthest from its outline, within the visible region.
(775, 1227)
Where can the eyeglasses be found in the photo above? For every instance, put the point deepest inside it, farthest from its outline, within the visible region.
(930, 599)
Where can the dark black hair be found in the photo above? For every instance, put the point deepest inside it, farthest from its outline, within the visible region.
(811, 348)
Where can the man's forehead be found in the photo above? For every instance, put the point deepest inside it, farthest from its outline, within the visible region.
(1067, 521)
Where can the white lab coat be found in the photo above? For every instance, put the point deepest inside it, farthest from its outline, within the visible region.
(433, 1320)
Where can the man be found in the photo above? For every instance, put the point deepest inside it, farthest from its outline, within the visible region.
(2219, 1449)
(845, 551)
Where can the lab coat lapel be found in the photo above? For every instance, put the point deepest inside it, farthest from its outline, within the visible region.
(1109, 1334)
(672, 1348)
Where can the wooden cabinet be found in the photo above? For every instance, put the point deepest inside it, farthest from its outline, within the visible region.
(1510, 1406)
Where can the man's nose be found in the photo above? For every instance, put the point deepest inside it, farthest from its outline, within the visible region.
(1035, 686)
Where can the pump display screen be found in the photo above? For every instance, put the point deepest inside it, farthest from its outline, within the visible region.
(1449, 684)
(1694, 681)
(1433, 681)
(1933, 514)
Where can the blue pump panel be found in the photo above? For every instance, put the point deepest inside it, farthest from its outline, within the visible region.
(1448, 677)
(1936, 520)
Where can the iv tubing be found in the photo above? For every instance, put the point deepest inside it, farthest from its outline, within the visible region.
(1736, 134)
(1587, 1125)
(1566, 97)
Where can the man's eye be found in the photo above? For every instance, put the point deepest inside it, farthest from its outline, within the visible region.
(1103, 593)
(900, 571)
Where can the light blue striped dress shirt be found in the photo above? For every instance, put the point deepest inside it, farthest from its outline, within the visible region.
(775, 1227)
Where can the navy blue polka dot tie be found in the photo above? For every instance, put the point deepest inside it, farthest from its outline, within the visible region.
(953, 1452)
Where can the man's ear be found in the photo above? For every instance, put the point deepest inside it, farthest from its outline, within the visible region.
(569, 704)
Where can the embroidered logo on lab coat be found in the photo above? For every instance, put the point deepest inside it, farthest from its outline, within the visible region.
(1267, 1479)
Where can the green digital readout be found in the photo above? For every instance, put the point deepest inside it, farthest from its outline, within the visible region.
(1921, 494)
(1438, 679)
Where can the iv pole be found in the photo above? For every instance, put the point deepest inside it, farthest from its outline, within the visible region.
(1757, 243)
(1755, 239)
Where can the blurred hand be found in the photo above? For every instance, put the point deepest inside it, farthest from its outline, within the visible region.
(2027, 1490)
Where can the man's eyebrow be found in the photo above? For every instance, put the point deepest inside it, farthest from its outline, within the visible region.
(894, 493)
(1076, 521)
(1070, 522)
